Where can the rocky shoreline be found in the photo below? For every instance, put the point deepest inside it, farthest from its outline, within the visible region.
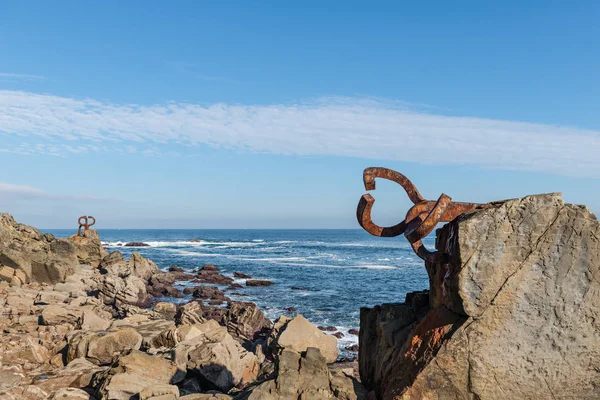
(514, 314)
(82, 323)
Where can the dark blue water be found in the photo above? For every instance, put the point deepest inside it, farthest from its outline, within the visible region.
(342, 270)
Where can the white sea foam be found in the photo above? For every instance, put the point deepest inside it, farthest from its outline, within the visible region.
(187, 243)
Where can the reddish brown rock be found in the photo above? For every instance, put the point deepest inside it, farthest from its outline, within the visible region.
(255, 282)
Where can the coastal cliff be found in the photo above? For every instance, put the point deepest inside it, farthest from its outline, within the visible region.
(515, 314)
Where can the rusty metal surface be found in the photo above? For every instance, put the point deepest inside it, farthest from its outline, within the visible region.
(421, 219)
(85, 224)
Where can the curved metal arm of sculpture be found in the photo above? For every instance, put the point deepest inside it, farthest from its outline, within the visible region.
(85, 224)
(421, 219)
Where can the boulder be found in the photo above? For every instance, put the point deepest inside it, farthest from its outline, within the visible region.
(136, 244)
(77, 374)
(117, 291)
(512, 315)
(167, 310)
(299, 334)
(88, 248)
(305, 376)
(161, 284)
(244, 319)
(256, 282)
(241, 275)
(90, 321)
(41, 258)
(160, 392)
(190, 313)
(217, 358)
(61, 314)
(71, 394)
(137, 266)
(138, 373)
(103, 349)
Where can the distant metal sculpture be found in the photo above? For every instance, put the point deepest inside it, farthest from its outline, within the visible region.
(421, 219)
(85, 224)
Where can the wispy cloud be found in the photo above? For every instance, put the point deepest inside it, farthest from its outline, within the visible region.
(12, 191)
(350, 127)
(26, 77)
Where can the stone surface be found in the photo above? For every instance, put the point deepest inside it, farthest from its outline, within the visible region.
(138, 373)
(71, 394)
(41, 258)
(513, 315)
(299, 334)
(305, 376)
(217, 357)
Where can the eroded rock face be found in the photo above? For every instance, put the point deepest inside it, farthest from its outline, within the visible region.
(305, 376)
(513, 315)
(42, 258)
(214, 355)
(299, 334)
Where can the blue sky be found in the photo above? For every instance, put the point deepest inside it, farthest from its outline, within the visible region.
(264, 114)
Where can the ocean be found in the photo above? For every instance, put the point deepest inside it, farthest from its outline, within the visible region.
(339, 271)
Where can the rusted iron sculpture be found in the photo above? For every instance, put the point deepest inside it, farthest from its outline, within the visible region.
(85, 224)
(421, 219)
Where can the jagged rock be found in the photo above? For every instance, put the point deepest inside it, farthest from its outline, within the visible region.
(10, 379)
(117, 291)
(190, 313)
(160, 392)
(77, 374)
(241, 275)
(136, 244)
(244, 319)
(42, 259)
(305, 376)
(216, 357)
(207, 396)
(299, 334)
(209, 274)
(135, 373)
(161, 284)
(256, 282)
(167, 310)
(137, 266)
(71, 394)
(88, 248)
(90, 321)
(28, 392)
(209, 293)
(513, 314)
(103, 348)
(61, 314)
(51, 297)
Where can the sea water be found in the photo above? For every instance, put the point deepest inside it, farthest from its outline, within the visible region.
(339, 271)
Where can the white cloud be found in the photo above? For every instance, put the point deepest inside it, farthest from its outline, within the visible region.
(333, 126)
(11, 190)
(26, 77)
(24, 192)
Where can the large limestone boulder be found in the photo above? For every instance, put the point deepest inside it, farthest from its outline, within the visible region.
(88, 248)
(138, 266)
(305, 376)
(299, 334)
(41, 257)
(139, 375)
(118, 291)
(215, 356)
(103, 349)
(513, 315)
